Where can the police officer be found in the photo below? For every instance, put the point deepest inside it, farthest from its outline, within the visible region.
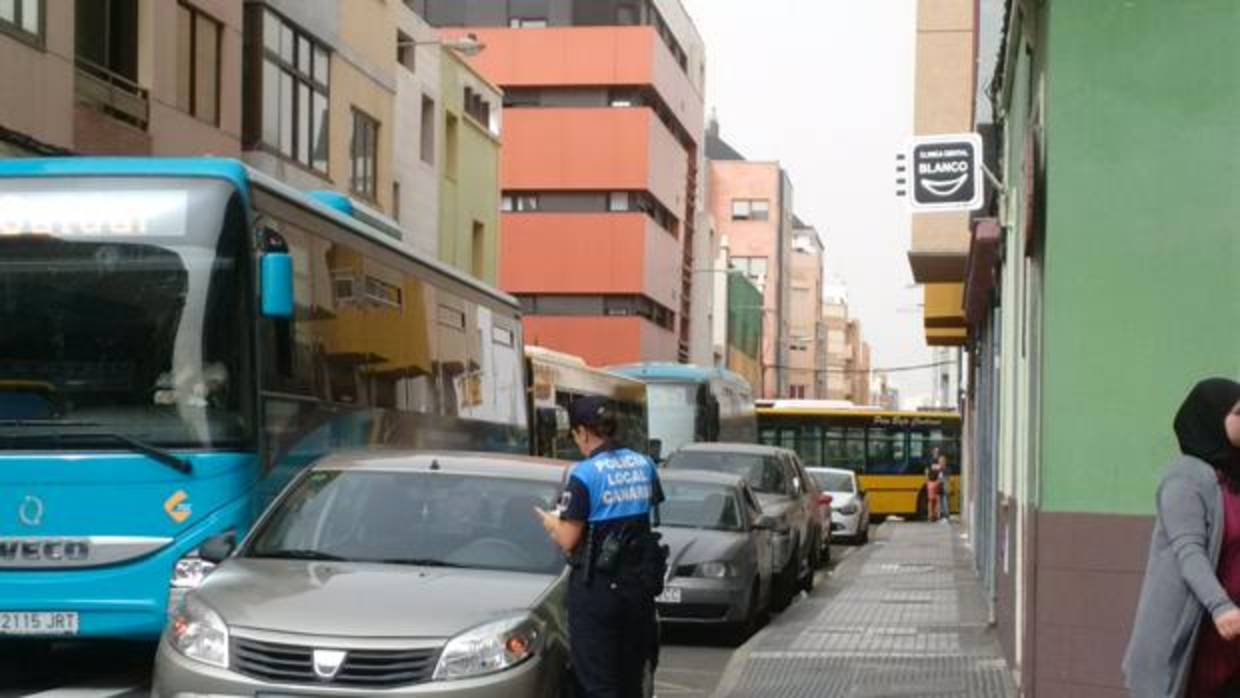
(604, 525)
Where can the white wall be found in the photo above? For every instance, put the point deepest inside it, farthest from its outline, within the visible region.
(419, 180)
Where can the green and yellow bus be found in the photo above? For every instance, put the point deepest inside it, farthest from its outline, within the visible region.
(888, 450)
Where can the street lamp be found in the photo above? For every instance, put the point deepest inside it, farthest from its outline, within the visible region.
(468, 46)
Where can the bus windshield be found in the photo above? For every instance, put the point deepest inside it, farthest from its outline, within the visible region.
(673, 413)
(124, 305)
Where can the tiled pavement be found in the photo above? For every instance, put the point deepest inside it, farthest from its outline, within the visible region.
(903, 618)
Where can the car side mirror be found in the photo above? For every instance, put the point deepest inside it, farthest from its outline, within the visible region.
(216, 549)
(770, 523)
(276, 280)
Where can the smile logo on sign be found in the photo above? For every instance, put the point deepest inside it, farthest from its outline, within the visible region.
(946, 172)
(177, 507)
(327, 663)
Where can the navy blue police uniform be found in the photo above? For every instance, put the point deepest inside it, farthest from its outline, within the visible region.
(613, 629)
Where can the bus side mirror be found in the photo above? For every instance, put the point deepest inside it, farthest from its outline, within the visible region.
(276, 279)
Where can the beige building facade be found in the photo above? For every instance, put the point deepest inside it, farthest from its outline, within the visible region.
(835, 320)
(848, 369)
(166, 80)
(320, 101)
(317, 96)
(807, 350)
(944, 90)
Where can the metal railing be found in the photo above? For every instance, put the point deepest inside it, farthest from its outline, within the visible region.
(115, 94)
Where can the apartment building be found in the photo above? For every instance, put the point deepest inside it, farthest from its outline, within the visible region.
(751, 203)
(603, 105)
(163, 79)
(321, 98)
(807, 350)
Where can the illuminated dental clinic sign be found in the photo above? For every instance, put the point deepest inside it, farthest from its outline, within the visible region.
(946, 172)
(93, 214)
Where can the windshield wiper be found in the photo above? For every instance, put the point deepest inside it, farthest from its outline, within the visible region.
(150, 450)
(298, 554)
(420, 562)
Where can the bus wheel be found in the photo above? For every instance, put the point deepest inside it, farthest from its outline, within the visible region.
(921, 505)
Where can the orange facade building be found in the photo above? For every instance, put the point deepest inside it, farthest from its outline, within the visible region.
(601, 175)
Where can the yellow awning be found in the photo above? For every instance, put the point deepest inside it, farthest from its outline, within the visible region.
(946, 336)
(944, 305)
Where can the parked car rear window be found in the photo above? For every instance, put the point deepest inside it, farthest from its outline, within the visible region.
(695, 505)
(833, 482)
(765, 474)
(413, 518)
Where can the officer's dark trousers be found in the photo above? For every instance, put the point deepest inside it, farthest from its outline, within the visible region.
(613, 632)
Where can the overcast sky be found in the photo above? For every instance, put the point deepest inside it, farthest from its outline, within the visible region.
(826, 88)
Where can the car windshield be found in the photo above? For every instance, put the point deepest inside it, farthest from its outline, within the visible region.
(829, 481)
(433, 519)
(123, 305)
(694, 505)
(764, 473)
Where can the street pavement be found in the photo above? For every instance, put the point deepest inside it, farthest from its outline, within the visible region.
(904, 617)
(692, 665)
(692, 661)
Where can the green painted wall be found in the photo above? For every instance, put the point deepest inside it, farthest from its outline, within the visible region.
(744, 329)
(473, 194)
(1143, 237)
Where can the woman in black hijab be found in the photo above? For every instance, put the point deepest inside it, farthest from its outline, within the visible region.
(1186, 638)
(1206, 428)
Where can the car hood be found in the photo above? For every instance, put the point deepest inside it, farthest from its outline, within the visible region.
(690, 546)
(364, 599)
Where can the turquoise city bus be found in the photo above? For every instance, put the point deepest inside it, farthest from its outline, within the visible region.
(178, 337)
(688, 404)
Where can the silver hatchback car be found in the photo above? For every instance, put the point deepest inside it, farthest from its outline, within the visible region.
(401, 574)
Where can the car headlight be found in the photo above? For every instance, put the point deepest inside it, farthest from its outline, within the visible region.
(489, 648)
(199, 633)
(714, 570)
(848, 509)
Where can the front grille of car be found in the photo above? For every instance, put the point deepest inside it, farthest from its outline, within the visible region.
(692, 611)
(361, 668)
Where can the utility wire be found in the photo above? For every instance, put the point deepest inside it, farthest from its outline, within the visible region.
(894, 369)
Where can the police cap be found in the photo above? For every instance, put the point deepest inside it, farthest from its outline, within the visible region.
(587, 411)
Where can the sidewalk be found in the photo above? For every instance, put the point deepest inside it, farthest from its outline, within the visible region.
(904, 616)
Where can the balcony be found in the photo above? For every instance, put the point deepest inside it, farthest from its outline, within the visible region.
(111, 93)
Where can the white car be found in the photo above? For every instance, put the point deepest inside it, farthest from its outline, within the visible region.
(850, 508)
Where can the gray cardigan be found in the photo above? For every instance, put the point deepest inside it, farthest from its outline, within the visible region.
(1180, 585)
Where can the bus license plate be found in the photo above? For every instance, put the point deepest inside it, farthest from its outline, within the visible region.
(38, 623)
(669, 595)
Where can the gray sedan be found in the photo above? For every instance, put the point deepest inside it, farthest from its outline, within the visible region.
(720, 567)
(405, 574)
